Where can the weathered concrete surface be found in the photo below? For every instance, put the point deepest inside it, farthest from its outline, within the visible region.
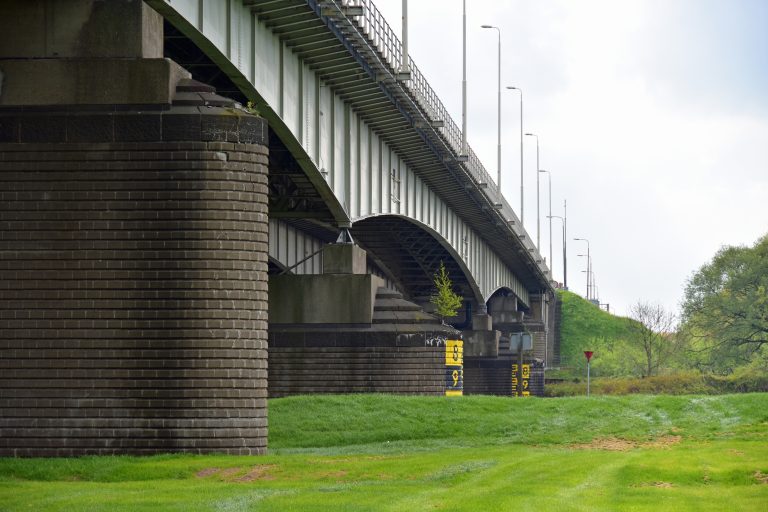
(482, 322)
(89, 82)
(322, 299)
(481, 343)
(91, 29)
(344, 259)
(504, 311)
(83, 52)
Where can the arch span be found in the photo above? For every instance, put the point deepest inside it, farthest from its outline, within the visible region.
(410, 252)
(360, 149)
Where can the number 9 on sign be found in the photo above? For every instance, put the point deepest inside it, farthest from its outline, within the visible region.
(454, 378)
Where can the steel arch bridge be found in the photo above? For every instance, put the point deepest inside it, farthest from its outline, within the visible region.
(356, 145)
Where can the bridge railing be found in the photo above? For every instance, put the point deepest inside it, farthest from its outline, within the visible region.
(375, 27)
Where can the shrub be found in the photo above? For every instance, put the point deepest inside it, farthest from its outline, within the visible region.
(689, 383)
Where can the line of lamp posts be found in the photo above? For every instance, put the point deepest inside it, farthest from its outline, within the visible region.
(591, 286)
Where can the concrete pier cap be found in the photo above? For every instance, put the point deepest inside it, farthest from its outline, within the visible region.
(94, 51)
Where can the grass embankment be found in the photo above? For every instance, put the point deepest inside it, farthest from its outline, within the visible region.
(375, 452)
(584, 326)
(617, 360)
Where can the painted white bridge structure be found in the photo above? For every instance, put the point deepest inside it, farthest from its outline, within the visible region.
(357, 146)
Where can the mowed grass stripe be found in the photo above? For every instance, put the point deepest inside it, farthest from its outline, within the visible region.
(312, 422)
(575, 454)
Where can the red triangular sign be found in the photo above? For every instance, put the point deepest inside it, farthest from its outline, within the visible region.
(588, 353)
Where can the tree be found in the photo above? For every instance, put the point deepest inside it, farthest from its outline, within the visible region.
(726, 303)
(653, 332)
(445, 300)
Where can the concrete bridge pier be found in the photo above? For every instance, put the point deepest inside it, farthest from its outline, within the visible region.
(493, 363)
(343, 332)
(133, 242)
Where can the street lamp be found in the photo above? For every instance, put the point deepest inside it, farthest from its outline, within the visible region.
(588, 266)
(549, 179)
(589, 280)
(522, 210)
(404, 73)
(565, 273)
(464, 83)
(538, 220)
(498, 113)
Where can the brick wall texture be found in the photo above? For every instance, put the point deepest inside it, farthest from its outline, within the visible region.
(356, 362)
(493, 376)
(133, 293)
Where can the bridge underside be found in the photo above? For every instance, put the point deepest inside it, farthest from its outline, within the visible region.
(403, 252)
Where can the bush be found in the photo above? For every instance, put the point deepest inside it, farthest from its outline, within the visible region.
(743, 380)
(690, 383)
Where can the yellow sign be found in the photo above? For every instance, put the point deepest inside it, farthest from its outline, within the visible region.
(454, 367)
(454, 353)
(521, 375)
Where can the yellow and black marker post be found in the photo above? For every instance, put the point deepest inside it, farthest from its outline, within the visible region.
(521, 379)
(525, 380)
(454, 368)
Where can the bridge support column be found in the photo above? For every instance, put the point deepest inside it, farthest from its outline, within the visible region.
(133, 243)
(482, 340)
(344, 332)
(537, 323)
(501, 372)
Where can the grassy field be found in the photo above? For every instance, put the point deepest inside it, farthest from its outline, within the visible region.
(376, 452)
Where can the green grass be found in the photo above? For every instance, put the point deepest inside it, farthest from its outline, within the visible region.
(378, 452)
(584, 326)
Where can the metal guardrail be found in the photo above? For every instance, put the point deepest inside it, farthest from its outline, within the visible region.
(381, 36)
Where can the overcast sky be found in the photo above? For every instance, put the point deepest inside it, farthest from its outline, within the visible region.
(652, 116)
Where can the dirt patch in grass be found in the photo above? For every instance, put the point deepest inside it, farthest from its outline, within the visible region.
(239, 473)
(657, 485)
(231, 473)
(616, 444)
(207, 472)
(257, 473)
(333, 474)
(761, 477)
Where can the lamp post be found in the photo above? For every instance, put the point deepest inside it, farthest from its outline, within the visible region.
(564, 220)
(549, 179)
(588, 266)
(404, 73)
(498, 112)
(522, 210)
(586, 272)
(538, 219)
(590, 276)
(464, 83)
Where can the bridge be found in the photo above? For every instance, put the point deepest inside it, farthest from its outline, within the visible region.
(140, 195)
